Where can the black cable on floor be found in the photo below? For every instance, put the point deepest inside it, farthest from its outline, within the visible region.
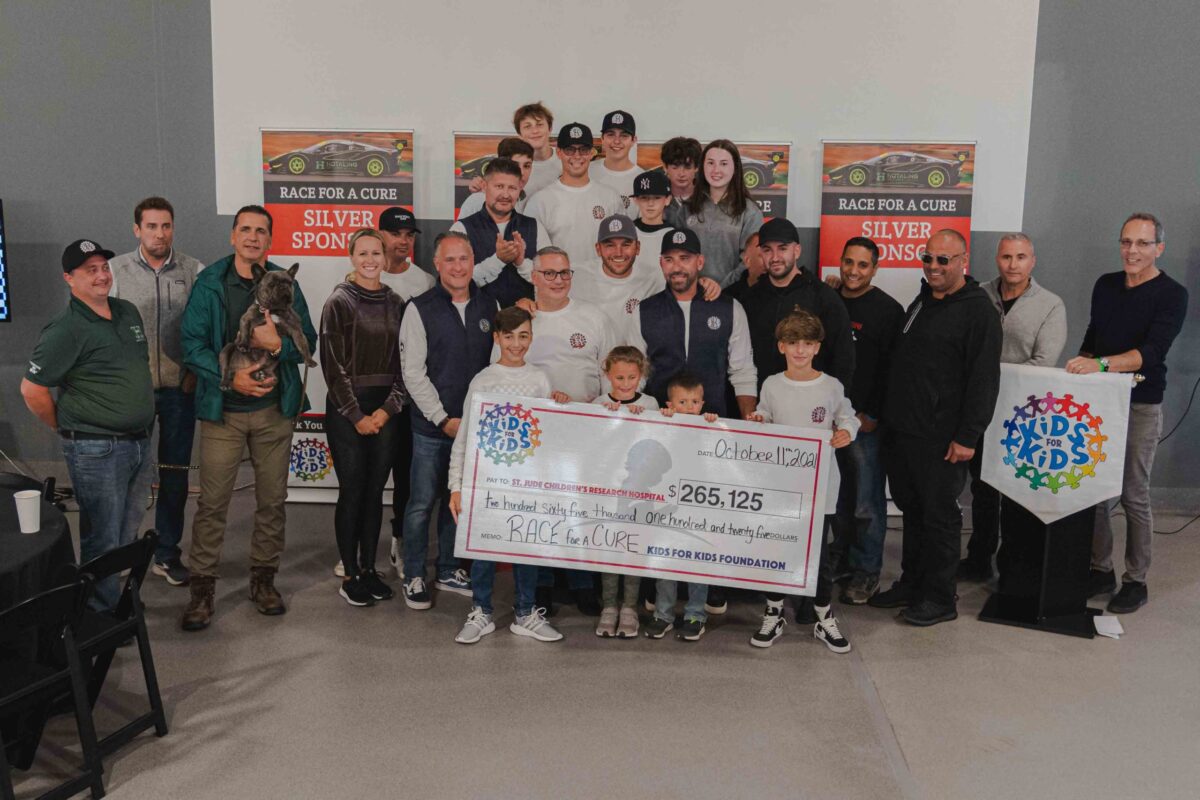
(1165, 533)
(1185, 412)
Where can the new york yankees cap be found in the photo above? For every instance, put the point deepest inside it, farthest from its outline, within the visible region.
(651, 184)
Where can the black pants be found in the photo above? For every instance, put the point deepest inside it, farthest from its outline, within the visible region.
(362, 464)
(400, 467)
(985, 516)
(926, 488)
(824, 595)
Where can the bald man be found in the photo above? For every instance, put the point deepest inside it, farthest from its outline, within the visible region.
(942, 387)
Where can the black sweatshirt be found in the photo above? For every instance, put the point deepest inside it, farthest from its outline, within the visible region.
(875, 321)
(767, 304)
(945, 370)
(1146, 318)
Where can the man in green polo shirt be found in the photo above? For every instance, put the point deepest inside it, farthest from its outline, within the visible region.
(252, 414)
(95, 354)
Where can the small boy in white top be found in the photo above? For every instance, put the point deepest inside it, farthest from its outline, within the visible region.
(618, 137)
(803, 397)
(512, 332)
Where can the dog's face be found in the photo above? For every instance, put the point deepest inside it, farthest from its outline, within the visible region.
(277, 289)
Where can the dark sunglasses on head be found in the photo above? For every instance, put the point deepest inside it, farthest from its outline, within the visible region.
(926, 258)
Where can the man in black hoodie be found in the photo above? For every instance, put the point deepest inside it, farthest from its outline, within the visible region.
(942, 387)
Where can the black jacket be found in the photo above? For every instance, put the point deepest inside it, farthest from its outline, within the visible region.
(766, 305)
(945, 371)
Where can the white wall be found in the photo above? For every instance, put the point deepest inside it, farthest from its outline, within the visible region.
(770, 70)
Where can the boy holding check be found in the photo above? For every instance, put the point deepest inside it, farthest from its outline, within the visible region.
(512, 331)
(804, 397)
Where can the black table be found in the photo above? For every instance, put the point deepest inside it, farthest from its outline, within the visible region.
(31, 562)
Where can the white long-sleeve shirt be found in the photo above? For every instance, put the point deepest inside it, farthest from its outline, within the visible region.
(414, 349)
(819, 403)
(570, 346)
(543, 174)
(523, 381)
(572, 215)
(620, 182)
(739, 356)
(490, 268)
(618, 298)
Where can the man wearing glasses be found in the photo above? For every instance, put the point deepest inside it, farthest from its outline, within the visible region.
(1136, 315)
(571, 207)
(942, 387)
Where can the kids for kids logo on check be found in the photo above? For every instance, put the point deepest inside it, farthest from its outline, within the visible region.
(508, 434)
(1053, 442)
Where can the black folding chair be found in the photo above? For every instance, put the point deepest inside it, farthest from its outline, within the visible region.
(101, 633)
(31, 681)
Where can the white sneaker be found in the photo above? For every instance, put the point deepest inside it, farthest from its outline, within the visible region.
(771, 628)
(535, 626)
(397, 557)
(478, 625)
(340, 570)
(827, 631)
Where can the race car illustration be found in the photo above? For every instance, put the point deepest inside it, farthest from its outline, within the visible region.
(756, 173)
(473, 168)
(900, 168)
(340, 157)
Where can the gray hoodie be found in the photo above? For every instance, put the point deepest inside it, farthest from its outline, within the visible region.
(160, 296)
(1035, 330)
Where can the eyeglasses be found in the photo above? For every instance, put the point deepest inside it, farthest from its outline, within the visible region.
(928, 258)
(1141, 244)
(577, 150)
(550, 276)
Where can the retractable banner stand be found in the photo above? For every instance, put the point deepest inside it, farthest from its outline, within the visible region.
(1056, 443)
(765, 170)
(320, 186)
(896, 194)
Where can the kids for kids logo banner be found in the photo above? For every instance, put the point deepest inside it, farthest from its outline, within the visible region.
(1056, 443)
(896, 194)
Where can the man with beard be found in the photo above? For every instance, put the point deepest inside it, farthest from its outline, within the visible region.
(399, 229)
(521, 153)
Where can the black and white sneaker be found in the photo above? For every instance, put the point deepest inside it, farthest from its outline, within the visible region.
(716, 603)
(396, 557)
(355, 592)
(690, 631)
(658, 628)
(416, 596)
(771, 628)
(827, 631)
(375, 585)
(173, 571)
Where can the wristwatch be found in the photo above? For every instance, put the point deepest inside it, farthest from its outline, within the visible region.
(1103, 364)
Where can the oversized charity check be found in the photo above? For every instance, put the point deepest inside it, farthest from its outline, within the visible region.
(573, 485)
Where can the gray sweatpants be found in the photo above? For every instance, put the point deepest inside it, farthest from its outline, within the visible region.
(1141, 442)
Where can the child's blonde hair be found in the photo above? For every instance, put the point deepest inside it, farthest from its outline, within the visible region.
(626, 354)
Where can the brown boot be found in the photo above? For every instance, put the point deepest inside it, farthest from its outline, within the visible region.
(262, 592)
(199, 611)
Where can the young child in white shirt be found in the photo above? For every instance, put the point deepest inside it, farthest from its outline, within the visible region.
(512, 331)
(625, 367)
(803, 397)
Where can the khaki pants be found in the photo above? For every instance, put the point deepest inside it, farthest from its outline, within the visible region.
(268, 434)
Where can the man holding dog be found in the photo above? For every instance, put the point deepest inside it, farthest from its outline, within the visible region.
(252, 413)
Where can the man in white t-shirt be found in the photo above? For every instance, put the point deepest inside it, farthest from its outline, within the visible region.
(399, 229)
(618, 137)
(533, 123)
(521, 153)
(572, 206)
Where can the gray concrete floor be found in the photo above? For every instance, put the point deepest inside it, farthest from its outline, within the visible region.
(334, 701)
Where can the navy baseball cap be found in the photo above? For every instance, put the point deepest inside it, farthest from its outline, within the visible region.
(778, 230)
(617, 226)
(80, 251)
(619, 120)
(396, 219)
(575, 134)
(681, 239)
(651, 184)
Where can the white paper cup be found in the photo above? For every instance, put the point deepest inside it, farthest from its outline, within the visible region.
(29, 510)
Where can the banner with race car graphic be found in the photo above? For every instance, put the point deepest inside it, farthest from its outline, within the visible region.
(320, 186)
(1056, 443)
(897, 194)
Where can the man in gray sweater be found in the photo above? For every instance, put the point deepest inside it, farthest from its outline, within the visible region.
(158, 279)
(1034, 321)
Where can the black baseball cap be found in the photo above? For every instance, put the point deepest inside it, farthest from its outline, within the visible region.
(778, 230)
(575, 134)
(681, 239)
(80, 251)
(396, 219)
(619, 120)
(617, 226)
(652, 184)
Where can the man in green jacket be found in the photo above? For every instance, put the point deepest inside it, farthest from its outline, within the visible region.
(254, 414)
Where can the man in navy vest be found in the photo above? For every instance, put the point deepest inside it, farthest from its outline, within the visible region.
(504, 242)
(445, 338)
(679, 330)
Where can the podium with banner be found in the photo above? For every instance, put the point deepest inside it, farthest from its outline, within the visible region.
(1054, 449)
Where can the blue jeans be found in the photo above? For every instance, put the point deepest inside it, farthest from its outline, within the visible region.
(483, 576)
(576, 578)
(427, 491)
(176, 414)
(668, 591)
(111, 478)
(862, 503)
